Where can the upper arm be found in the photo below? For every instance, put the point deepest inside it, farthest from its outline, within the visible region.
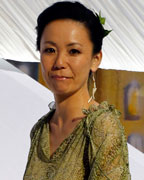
(110, 160)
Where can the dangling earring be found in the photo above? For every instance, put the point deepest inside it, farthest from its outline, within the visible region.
(94, 89)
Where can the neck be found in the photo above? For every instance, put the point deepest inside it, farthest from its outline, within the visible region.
(71, 107)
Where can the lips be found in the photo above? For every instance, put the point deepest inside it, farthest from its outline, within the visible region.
(57, 77)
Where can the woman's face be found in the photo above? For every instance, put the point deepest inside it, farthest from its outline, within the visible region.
(66, 56)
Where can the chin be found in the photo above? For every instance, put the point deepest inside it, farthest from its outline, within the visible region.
(61, 92)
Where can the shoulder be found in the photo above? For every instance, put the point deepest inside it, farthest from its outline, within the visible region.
(38, 125)
(107, 129)
(104, 109)
(104, 119)
(108, 117)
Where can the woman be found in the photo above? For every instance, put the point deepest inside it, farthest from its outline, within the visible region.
(79, 138)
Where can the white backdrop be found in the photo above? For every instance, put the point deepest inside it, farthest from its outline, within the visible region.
(123, 48)
(22, 102)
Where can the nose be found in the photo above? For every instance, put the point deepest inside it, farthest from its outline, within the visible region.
(59, 62)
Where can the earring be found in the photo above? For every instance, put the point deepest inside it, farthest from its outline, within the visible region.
(94, 89)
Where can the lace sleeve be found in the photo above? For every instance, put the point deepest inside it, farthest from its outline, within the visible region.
(110, 160)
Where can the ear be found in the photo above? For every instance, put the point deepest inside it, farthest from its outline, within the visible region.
(96, 60)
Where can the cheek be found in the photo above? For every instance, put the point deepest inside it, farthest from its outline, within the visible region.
(45, 68)
(45, 74)
(81, 70)
(82, 66)
(45, 64)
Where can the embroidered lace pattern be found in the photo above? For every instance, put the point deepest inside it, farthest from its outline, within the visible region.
(95, 150)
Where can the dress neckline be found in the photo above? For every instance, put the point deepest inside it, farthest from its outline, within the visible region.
(86, 112)
(65, 141)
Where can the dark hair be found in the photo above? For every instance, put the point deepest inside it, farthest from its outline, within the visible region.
(75, 11)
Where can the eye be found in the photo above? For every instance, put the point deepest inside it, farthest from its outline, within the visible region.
(49, 50)
(74, 51)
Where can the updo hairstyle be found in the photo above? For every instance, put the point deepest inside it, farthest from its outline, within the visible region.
(75, 11)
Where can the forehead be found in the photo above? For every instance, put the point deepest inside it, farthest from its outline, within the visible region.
(66, 28)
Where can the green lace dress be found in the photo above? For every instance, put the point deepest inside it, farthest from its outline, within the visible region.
(95, 150)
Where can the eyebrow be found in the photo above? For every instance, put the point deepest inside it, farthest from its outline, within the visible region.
(70, 44)
(74, 43)
(50, 42)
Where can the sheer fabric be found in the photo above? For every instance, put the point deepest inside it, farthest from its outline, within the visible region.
(95, 150)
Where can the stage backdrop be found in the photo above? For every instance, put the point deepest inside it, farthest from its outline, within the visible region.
(125, 90)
